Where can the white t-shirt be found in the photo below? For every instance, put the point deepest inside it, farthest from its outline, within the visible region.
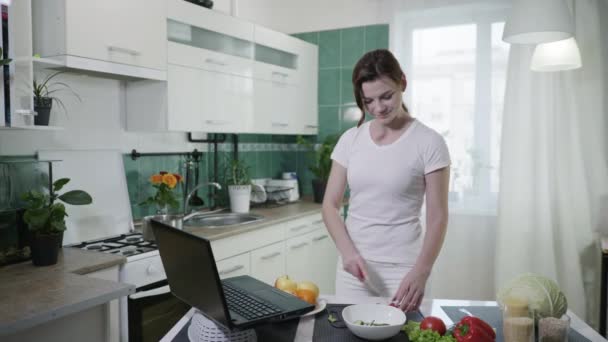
(387, 189)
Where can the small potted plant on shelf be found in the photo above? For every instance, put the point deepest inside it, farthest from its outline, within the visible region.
(45, 217)
(43, 97)
(239, 186)
(321, 163)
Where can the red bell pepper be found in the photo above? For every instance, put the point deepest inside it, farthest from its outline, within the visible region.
(473, 329)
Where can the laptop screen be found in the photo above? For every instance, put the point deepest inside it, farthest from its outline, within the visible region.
(191, 270)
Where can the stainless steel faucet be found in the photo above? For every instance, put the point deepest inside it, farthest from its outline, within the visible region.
(214, 184)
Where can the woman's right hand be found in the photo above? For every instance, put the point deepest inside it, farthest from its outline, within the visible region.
(355, 265)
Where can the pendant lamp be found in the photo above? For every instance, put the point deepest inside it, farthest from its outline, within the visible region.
(556, 56)
(538, 21)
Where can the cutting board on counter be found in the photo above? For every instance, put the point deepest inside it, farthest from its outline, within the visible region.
(101, 173)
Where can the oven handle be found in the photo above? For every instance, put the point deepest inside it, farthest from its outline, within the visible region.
(150, 293)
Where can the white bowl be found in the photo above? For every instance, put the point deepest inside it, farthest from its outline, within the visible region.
(378, 313)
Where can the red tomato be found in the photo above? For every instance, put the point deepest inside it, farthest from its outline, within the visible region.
(433, 323)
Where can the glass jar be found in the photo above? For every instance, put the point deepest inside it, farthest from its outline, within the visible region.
(551, 329)
(518, 321)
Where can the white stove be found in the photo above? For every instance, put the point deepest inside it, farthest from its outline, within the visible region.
(131, 245)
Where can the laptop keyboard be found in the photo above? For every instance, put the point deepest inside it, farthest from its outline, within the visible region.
(247, 306)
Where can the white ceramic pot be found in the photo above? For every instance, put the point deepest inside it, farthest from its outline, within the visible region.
(240, 196)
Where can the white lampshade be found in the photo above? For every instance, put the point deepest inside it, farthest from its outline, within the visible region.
(538, 21)
(556, 56)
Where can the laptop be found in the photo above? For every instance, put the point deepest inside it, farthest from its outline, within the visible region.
(235, 303)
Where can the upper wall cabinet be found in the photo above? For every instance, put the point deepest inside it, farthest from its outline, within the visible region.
(111, 36)
(285, 85)
(227, 75)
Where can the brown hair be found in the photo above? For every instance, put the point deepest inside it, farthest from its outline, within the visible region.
(370, 67)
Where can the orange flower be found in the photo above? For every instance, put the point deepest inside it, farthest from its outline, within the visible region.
(170, 180)
(156, 179)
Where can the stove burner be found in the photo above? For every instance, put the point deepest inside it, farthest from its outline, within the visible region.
(93, 247)
(133, 239)
(127, 253)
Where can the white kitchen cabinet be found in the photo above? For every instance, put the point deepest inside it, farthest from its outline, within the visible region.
(109, 33)
(234, 266)
(285, 88)
(313, 257)
(268, 262)
(323, 261)
(112, 322)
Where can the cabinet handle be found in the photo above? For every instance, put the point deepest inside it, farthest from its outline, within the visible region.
(319, 238)
(114, 48)
(217, 122)
(295, 229)
(270, 256)
(280, 73)
(232, 269)
(312, 126)
(279, 124)
(300, 245)
(214, 61)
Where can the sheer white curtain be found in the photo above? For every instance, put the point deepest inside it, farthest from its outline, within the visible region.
(553, 173)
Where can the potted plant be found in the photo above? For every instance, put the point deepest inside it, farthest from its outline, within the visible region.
(321, 164)
(45, 217)
(43, 97)
(239, 186)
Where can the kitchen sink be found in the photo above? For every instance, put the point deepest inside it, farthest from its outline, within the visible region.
(218, 220)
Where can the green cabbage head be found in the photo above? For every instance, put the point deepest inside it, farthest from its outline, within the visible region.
(543, 295)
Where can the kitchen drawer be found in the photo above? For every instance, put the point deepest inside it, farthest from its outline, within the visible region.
(189, 56)
(275, 73)
(142, 272)
(303, 225)
(234, 266)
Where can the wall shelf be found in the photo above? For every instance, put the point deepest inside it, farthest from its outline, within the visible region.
(31, 128)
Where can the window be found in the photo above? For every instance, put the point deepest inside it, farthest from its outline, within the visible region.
(455, 62)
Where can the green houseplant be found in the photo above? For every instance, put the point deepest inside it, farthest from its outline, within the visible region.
(239, 185)
(43, 97)
(45, 217)
(320, 163)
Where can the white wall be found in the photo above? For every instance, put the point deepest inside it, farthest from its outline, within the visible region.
(96, 122)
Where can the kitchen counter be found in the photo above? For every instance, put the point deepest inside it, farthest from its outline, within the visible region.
(31, 295)
(271, 216)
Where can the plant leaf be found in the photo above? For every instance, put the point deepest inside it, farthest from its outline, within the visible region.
(36, 218)
(58, 184)
(76, 197)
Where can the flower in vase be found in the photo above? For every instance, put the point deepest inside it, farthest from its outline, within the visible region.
(164, 183)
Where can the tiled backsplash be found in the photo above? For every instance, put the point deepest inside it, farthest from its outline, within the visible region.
(270, 155)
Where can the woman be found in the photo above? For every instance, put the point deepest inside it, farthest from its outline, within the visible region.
(390, 164)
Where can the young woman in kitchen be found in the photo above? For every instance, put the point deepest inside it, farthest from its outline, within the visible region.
(391, 164)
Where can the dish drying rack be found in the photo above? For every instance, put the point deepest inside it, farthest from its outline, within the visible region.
(275, 197)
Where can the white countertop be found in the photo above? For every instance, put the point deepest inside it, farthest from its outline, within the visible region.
(429, 307)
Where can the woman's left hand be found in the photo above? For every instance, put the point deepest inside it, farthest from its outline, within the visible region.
(411, 291)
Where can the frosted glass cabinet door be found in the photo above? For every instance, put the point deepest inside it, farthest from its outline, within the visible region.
(129, 32)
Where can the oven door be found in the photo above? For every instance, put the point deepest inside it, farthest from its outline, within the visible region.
(153, 311)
